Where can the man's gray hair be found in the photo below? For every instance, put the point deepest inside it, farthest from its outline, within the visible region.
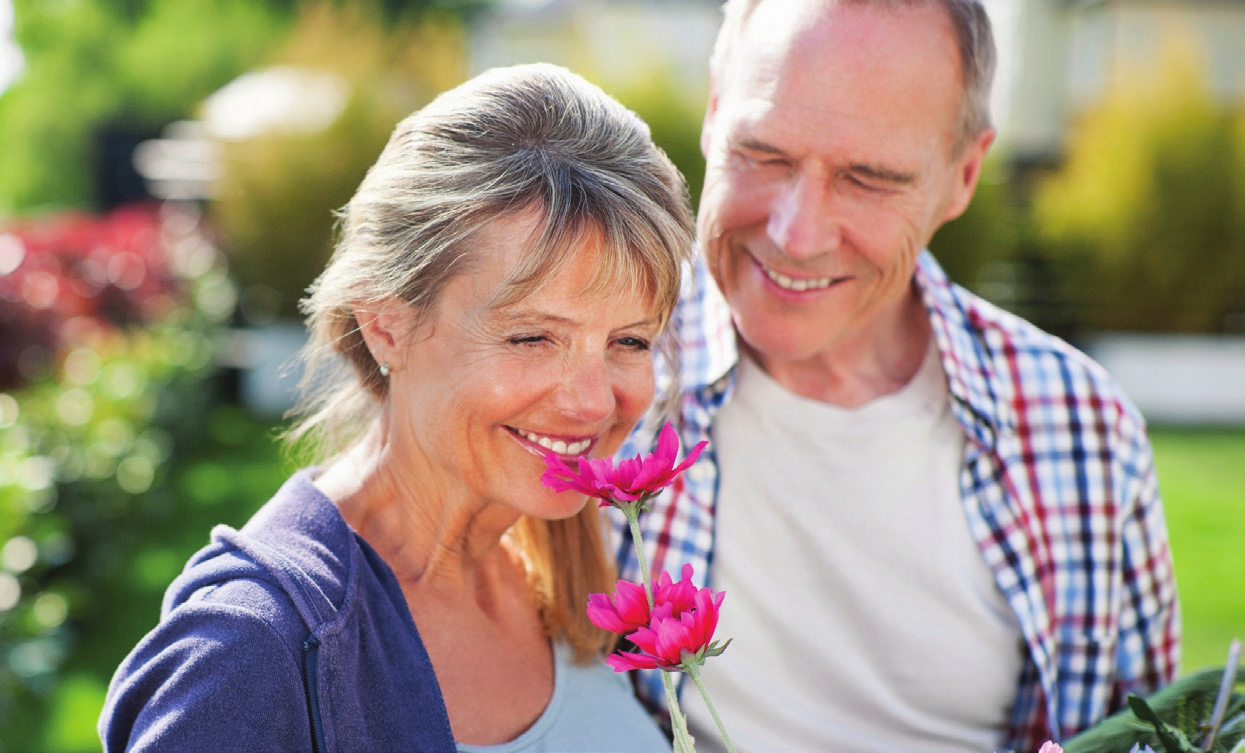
(512, 142)
(973, 36)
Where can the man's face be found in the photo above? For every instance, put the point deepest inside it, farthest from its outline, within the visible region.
(828, 145)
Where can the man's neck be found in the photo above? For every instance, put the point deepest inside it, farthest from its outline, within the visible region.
(873, 363)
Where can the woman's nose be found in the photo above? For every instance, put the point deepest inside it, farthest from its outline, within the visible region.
(802, 220)
(587, 392)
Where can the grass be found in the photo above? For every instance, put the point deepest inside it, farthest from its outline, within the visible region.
(1202, 477)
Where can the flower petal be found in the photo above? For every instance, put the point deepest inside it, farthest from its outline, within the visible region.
(603, 614)
(691, 457)
(623, 661)
(631, 603)
(667, 446)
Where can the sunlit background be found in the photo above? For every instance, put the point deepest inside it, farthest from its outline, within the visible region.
(168, 173)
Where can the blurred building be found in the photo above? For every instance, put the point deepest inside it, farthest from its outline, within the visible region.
(1059, 56)
(613, 42)
(1056, 57)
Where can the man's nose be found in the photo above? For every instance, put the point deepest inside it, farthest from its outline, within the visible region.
(802, 221)
(587, 391)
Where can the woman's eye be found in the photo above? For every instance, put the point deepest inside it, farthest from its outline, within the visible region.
(633, 343)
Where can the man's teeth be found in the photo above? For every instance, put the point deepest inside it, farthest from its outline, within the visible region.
(557, 445)
(816, 283)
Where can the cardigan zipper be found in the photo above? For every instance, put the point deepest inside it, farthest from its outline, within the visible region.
(311, 651)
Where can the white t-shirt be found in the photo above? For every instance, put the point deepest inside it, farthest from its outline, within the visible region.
(863, 615)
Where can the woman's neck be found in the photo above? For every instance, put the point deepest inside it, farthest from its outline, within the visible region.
(429, 536)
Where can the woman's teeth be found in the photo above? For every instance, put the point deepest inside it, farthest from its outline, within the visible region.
(557, 445)
(783, 281)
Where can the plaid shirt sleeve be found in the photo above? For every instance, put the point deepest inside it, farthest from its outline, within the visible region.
(1060, 492)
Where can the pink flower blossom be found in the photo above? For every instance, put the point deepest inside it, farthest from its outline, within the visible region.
(639, 478)
(678, 631)
(625, 613)
(679, 594)
(628, 610)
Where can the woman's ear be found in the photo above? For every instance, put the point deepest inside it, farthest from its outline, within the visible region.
(381, 325)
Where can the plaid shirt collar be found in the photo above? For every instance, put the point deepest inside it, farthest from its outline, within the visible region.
(710, 351)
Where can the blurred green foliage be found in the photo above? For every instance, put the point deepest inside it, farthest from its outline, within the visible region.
(95, 62)
(987, 233)
(280, 190)
(1145, 222)
(115, 461)
(110, 485)
(673, 116)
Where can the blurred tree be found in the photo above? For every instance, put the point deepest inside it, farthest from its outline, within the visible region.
(133, 66)
(280, 189)
(673, 116)
(117, 453)
(90, 62)
(1144, 224)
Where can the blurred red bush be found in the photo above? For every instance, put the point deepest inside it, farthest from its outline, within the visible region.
(65, 277)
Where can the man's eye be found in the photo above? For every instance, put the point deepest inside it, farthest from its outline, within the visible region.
(767, 161)
(865, 184)
(761, 159)
(527, 339)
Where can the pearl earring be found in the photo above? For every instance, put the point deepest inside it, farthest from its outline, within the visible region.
(384, 370)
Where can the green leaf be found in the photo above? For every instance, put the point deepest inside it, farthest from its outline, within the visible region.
(1173, 740)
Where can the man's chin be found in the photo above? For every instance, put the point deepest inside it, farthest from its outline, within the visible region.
(771, 348)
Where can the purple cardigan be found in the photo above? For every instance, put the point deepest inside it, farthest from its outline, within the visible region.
(289, 635)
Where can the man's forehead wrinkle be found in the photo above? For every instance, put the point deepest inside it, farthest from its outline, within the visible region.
(774, 92)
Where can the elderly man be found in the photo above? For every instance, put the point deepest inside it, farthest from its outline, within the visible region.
(938, 527)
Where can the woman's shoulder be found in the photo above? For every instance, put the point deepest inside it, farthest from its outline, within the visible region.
(211, 665)
(251, 597)
(230, 644)
(294, 558)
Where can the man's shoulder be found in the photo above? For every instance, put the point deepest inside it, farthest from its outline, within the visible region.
(1033, 371)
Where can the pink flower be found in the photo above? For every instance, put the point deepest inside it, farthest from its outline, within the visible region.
(639, 478)
(628, 610)
(625, 613)
(679, 630)
(679, 594)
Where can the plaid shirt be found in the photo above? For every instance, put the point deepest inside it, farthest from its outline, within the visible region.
(1058, 487)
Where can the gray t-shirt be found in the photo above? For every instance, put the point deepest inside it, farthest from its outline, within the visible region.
(592, 711)
(863, 616)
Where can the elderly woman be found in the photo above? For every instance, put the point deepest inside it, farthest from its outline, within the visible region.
(502, 275)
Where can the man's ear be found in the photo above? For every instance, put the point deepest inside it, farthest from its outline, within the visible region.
(711, 111)
(967, 169)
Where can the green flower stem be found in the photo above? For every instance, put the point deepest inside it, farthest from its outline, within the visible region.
(632, 512)
(683, 742)
(678, 722)
(693, 669)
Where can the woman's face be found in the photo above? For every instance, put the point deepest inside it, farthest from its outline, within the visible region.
(483, 392)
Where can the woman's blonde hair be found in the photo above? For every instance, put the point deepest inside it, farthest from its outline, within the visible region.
(510, 141)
